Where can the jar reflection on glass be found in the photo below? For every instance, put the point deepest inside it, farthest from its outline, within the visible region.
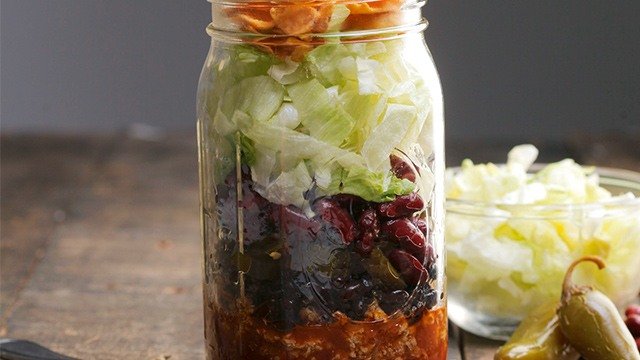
(320, 130)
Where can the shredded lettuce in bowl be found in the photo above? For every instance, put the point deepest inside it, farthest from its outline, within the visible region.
(511, 233)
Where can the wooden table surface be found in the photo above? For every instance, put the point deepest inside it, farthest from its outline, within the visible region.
(100, 243)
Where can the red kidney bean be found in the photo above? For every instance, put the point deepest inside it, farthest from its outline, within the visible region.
(408, 236)
(633, 323)
(251, 200)
(638, 343)
(352, 291)
(401, 169)
(364, 244)
(369, 229)
(409, 267)
(331, 212)
(421, 224)
(369, 222)
(632, 309)
(390, 302)
(402, 206)
(430, 262)
(429, 256)
(353, 204)
(347, 199)
(291, 217)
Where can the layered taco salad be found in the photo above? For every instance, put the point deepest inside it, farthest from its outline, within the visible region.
(319, 191)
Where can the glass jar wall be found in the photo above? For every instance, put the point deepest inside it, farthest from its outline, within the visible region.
(321, 163)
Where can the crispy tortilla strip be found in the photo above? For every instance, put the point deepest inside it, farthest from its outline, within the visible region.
(373, 21)
(300, 19)
(253, 19)
(291, 47)
(294, 19)
(374, 7)
(322, 22)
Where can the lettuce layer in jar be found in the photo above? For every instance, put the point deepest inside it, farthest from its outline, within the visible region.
(511, 233)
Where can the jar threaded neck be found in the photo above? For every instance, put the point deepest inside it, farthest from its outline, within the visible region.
(309, 21)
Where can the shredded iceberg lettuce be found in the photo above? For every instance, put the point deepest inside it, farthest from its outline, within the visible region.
(289, 187)
(336, 170)
(259, 96)
(341, 112)
(325, 120)
(387, 135)
(512, 258)
(339, 15)
(287, 117)
(366, 111)
(371, 186)
(287, 72)
(563, 182)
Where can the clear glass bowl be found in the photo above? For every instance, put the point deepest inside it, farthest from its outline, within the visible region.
(505, 259)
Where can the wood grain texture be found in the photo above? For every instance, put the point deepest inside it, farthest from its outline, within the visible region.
(477, 348)
(120, 277)
(40, 176)
(455, 345)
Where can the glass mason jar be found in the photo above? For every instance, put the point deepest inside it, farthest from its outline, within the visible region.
(320, 129)
(504, 260)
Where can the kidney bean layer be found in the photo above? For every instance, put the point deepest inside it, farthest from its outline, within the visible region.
(291, 217)
(369, 230)
(408, 236)
(401, 169)
(368, 221)
(331, 212)
(410, 268)
(364, 245)
(402, 206)
(421, 224)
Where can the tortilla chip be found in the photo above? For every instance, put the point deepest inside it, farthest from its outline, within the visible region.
(373, 21)
(291, 47)
(253, 19)
(374, 7)
(294, 19)
(322, 21)
(300, 19)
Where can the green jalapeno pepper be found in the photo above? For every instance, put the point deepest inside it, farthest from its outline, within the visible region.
(591, 322)
(538, 337)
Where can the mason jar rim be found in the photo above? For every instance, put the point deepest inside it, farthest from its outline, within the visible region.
(627, 180)
(270, 3)
(410, 21)
(388, 33)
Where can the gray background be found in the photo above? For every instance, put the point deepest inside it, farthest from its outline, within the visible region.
(511, 70)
